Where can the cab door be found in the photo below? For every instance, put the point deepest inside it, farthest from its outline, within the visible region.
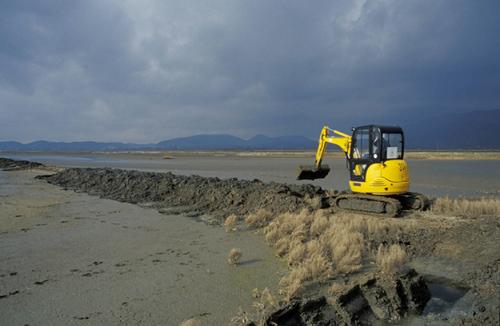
(365, 150)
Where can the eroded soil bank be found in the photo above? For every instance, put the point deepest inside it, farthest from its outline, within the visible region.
(192, 195)
(450, 250)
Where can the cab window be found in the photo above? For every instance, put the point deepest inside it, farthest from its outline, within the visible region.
(361, 144)
(392, 146)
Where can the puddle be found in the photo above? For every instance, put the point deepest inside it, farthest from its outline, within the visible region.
(447, 300)
(443, 298)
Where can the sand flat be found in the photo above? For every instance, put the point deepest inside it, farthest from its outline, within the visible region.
(72, 259)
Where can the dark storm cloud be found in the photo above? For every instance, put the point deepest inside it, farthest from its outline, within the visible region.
(150, 70)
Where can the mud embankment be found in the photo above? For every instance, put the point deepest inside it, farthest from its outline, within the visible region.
(373, 299)
(7, 164)
(191, 195)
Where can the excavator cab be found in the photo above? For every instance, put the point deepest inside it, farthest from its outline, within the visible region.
(373, 144)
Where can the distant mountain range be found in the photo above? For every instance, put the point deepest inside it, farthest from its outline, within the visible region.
(479, 130)
(198, 142)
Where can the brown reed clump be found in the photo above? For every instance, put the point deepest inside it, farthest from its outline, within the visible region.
(230, 222)
(335, 288)
(317, 245)
(259, 219)
(390, 259)
(234, 256)
(346, 250)
(466, 207)
(191, 322)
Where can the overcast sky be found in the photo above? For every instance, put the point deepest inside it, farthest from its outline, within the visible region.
(144, 71)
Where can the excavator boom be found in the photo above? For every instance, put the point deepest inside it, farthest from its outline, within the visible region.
(319, 171)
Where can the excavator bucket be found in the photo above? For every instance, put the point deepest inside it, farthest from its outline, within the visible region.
(310, 172)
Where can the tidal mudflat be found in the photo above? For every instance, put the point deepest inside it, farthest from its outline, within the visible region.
(68, 258)
(135, 252)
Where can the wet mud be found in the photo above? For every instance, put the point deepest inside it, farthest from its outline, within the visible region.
(461, 252)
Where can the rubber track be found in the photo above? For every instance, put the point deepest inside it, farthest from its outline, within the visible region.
(395, 210)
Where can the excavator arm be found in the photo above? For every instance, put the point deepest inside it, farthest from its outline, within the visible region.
(319, 171)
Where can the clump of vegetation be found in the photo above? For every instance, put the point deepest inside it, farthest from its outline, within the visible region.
(316, 246)
(259, 219)
(234, 256)
(390, 259)
(241, 318)
(335, 288)
(319, 245)
(230, 222)
(466, 207)
(264, 303)
(191, 322)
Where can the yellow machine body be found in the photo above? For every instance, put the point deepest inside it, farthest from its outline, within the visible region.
(383, 175)
(387, 178)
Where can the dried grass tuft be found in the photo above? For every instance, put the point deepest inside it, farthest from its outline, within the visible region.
(315, 268)
(241, 318)
(191, 322)
(346, 250)
(319, 225)
(390, 259)
(466, 207)
(234, 256)
(259, 219)
(335, 288)
(318, 245)
(230, 222)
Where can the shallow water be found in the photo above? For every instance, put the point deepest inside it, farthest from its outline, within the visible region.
(443, 298)
(433, 177)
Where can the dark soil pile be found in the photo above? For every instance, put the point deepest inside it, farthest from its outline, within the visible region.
(7, 164)
(374, 299)
(191, 194)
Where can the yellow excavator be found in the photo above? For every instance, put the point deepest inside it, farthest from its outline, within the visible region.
(379, 178)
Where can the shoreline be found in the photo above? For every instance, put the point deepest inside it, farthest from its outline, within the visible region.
(170, 154)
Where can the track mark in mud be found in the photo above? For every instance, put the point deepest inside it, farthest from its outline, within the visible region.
(8, 294)
(41, 282)
(87, 317)
(93, 273)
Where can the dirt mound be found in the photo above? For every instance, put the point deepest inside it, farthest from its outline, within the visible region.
(192, 195)
(374, 299)
(7, 164)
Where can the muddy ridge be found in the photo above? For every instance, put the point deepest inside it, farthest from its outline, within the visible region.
(7, 164)
(191, 195)
(373, 299)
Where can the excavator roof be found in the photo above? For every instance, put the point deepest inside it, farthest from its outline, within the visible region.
(389, 129)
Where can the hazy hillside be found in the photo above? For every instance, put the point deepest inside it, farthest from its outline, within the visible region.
(198, 142)
(472, 130)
